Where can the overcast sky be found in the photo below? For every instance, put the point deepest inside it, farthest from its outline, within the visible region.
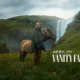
(59, 8)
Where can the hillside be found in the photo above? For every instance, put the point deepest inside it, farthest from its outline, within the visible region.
(16, 29)
(12, 69)
(71, 39)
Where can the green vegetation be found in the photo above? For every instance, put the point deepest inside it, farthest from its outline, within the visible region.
(12, 69)
(3, 48)
(16, 29)
(71, 39)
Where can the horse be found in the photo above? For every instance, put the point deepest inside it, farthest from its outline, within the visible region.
(26, 45)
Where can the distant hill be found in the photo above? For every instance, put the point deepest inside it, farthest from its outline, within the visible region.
(16, 29)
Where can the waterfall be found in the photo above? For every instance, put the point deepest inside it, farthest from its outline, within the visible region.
(58, 30)
(61, 27)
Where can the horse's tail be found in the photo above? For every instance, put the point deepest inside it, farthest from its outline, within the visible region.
(21, 52)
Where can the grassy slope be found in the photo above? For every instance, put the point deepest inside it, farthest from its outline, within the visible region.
(16, 29)
(12, 69)
(23, 22)
(71, 39)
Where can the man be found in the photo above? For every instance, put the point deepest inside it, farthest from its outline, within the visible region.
(37, 43)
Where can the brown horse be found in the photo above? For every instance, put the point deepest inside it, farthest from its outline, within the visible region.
(26, 45)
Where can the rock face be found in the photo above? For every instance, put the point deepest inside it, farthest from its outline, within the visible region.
(3, 48)
(77, 16)
(75, 24)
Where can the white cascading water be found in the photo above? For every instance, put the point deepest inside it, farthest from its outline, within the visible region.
(61, 27)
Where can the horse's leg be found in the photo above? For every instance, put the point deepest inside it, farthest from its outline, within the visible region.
(24, 55)
(21, 55)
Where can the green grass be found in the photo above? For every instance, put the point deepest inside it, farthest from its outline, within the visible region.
(70, 41)
(12, 69)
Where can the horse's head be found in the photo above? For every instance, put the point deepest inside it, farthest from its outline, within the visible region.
(48, 33)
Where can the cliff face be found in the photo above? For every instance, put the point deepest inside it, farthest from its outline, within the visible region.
(77, 16)
(76, 22)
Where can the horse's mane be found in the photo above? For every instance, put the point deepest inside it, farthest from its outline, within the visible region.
(44, 29)
(50, 31)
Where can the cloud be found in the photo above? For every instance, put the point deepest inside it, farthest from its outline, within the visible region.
(54, 12)
(10, 8)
